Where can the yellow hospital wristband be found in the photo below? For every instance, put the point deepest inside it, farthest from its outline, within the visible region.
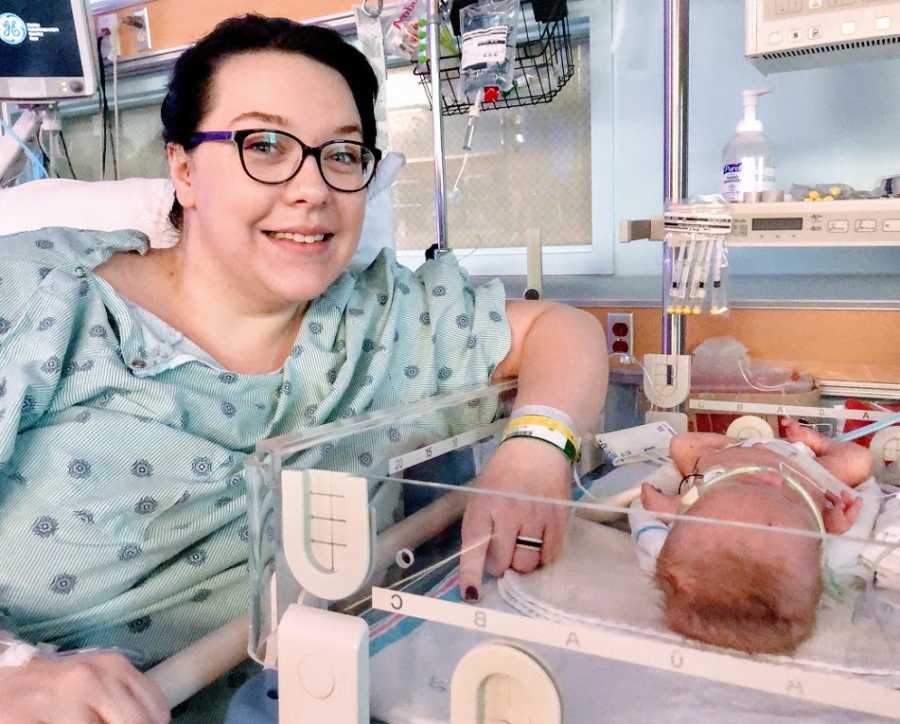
(547, 429)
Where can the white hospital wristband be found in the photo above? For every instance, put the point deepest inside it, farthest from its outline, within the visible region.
(17, 653)
(545, 411)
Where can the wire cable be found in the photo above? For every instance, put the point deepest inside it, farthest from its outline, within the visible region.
(40, 143)
(758, 385)
(62, 137)
(869, 429)
(115, 145)
(104, 105)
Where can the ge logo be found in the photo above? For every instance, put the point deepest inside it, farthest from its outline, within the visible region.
(13, 30)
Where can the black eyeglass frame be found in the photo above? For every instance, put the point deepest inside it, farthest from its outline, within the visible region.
(238, 138)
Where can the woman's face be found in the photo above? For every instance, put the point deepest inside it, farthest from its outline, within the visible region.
(256, 235)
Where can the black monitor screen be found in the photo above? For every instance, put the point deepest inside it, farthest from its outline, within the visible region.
(37, 40)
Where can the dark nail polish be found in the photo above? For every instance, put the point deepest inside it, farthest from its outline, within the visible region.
(471, 594)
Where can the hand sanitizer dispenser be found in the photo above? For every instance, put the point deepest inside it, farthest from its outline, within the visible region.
(748, 159)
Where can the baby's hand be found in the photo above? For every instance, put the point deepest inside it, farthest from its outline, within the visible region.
(795, 432)
(656, 501)
(843, 512)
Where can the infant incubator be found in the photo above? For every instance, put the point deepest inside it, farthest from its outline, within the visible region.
(357, 608)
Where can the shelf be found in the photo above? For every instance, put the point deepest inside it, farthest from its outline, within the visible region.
(868, 292)
(851, 223)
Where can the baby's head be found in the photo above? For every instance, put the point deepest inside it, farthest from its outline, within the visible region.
(746, 589)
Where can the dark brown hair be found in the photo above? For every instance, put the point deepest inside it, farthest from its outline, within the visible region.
(190, 88)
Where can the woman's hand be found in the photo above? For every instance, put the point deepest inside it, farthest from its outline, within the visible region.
(94, 688)
(492, 522)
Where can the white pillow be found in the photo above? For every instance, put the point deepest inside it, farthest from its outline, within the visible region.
(144, 204)
(134, 203)
(378, 224)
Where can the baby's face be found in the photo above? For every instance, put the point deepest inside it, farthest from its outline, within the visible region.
(762, 499)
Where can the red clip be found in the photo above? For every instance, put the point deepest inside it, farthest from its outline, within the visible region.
(491, 94)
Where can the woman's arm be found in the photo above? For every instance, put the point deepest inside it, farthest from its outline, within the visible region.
(558, 354)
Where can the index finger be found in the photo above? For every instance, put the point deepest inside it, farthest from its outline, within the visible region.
(477, 527)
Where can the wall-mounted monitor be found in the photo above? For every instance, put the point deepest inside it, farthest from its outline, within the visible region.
(47, 51)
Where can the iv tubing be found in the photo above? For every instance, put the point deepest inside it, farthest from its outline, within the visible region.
(868, 429)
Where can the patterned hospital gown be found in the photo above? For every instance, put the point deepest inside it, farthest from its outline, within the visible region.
(122, 496)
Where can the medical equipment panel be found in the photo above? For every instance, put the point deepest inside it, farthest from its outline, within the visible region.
(785, 35)
(373, 533)
(854, 222)
(46, 50)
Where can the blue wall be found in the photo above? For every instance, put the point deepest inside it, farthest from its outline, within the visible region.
(837, 124)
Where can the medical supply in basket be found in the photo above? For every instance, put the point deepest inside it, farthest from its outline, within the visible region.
(489, 44)
(406, 32)
(748, 159)
(401, 36)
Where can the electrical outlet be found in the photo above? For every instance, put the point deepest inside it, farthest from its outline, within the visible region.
(620, 332)
(108, 29)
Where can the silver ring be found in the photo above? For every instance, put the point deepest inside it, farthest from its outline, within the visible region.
(532, 544)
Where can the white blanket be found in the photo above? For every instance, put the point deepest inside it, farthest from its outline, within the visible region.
(410, 684)
(597, 581)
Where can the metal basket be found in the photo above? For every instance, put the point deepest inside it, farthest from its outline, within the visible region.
(544, 64)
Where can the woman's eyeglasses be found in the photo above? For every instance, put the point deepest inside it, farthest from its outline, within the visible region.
(275, 157)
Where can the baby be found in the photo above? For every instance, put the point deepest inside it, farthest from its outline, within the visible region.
(742, 588)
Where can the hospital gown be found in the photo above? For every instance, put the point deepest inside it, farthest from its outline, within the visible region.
(122, 492)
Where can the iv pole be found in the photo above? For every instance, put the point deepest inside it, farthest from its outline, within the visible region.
(675, 148)
(440, 174)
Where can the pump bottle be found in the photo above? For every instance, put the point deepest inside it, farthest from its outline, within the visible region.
(748, 159)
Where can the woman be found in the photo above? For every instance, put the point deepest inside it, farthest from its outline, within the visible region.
(145, 376)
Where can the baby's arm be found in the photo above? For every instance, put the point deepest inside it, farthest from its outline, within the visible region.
(686, 449)
(848, 461)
